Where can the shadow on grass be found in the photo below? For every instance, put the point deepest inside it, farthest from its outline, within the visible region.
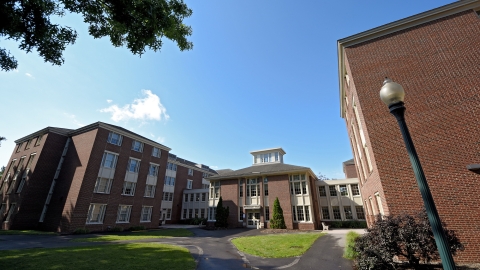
(123, 256)
(134, 235)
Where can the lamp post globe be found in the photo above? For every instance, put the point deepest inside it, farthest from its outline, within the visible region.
(392, 94)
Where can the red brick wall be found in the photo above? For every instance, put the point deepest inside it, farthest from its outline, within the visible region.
(437, 64)
(350, 171)
(279, 186)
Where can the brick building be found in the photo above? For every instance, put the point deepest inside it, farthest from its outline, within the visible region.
(97, 177)
(250, 192)
(435, 55)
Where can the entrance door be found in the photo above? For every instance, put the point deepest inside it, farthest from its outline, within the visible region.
(253, 218)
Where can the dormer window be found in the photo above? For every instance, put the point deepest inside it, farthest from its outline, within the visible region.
(272, 155)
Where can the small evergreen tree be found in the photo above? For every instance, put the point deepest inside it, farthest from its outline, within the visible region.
(221, 215)
(277, 221)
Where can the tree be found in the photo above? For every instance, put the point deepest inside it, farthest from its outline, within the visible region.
(404, 236)
(2, 139)
(135, 24)
(221, 215)
(277, 221)
(322, 177)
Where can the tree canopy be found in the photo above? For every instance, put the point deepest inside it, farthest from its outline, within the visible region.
(137, 25)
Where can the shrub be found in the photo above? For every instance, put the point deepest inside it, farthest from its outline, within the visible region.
(407, 237)
(277, 221)
(117, 229)
(350, 252)
(351, 224)
(81, 231)
(197, 221)
(136, 228)
(221, 215)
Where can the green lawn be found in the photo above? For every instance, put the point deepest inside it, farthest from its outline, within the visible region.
(25, 232)
(122, 256)
(349, 251)
(125, 236)
(276, 246)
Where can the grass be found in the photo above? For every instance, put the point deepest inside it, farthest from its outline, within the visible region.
(276, 246)
(349, 252)
(25, 232)
(122, 256)
(126, 236)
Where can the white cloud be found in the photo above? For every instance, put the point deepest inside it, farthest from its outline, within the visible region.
(161, 139)
(148, 108)
(109, 101)
(214, 167)
(29, 75)
(74, 119)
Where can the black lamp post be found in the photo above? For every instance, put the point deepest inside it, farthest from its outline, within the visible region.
(392, 94)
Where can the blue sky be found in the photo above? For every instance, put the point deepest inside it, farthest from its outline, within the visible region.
(262, 74)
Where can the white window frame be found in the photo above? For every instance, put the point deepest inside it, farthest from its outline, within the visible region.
(189, 184)
(108, 185)
(190, 171)
(132, 188)
(113, 162)
(149, 191)
(111, 140)
(128, 210)
(357, 189)
(153, 167)
(156, 152)
(146, 212)
(137, 146)
(137, 166)
(98, 210)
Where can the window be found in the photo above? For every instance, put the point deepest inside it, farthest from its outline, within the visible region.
(169, 213)
(184, 214)
(168, 196)
(202, 213)
(276, 156)
(96, 212)
(203, 197)
(156, 152)
(146, 214)
(360, 213)
(10, 211)
(322, 191)
(153, 170)
(296, 187)
(190, 171)
(28, 144)
(299, 185)
(39, 139)
(240, 188)
(25, 173)
(133, 165)
(196, 213)
(129, 188)
(189, 184)
(336, 212)
(379, 203)
(191, 197)
(205, 175)
(267, 213)
(197, 197)
(109, 160)
(171, 166)
(190, 213)
(333, 191)
(343, 190)
(348, 212)
(325, 213)
(18, 147)
(265, 189)
(123, 215)
(355, 190)
(300, 216)
(294, 213)
(149, 191)
(103, 185)
(169, 181)
(115, 138)
(307, 213)
(211, 213)
(215, 189)
(304, 187)
(137, 146)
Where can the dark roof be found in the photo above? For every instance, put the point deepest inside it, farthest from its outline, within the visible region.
(190, 163)
(224, 171)
(349, 162)
(63, 131)
(128, 131)
(261, 169)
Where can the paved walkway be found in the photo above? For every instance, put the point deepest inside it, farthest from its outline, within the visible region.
(213, 249)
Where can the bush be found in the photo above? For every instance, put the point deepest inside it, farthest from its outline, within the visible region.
(117, 229)
(197, 221)
(351, 224)
(81, 231)
(350, 245)
(408, 237)
(137, 228)
(277, 221)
